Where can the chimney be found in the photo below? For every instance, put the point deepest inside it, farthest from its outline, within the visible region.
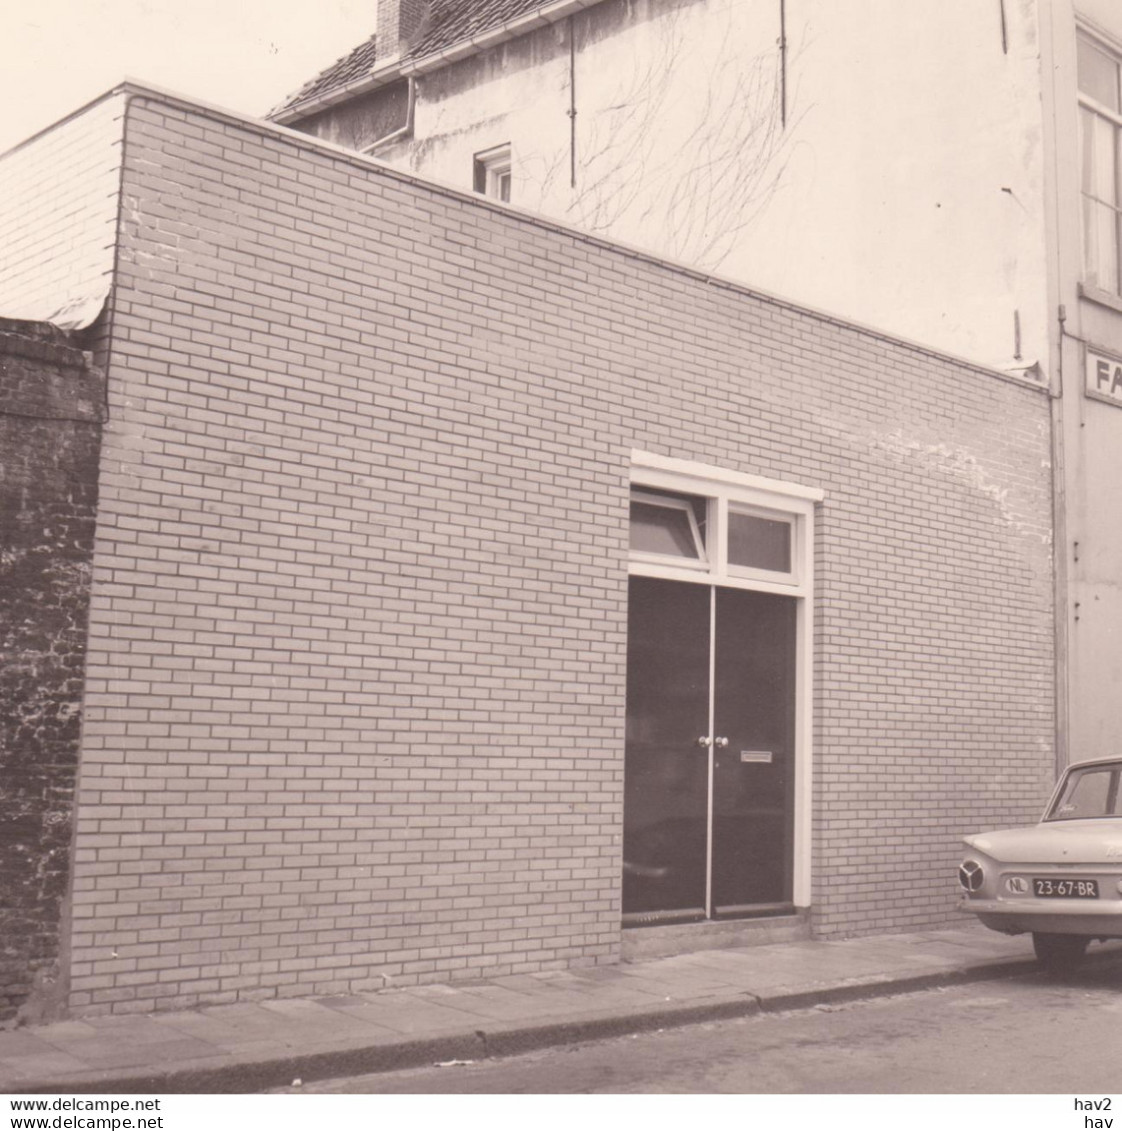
(398, 23)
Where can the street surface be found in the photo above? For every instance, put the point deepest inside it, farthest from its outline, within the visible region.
(1033, 1034)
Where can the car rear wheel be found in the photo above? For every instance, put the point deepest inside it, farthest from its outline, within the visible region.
(1058, 952)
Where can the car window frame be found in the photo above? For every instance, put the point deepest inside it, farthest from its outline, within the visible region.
(1114, 767)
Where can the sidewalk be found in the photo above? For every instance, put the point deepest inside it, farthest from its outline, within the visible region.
(249, 1047)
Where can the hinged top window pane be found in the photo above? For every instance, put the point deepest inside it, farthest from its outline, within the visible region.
(668, 525)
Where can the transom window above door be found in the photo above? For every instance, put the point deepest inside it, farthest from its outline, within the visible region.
(706, 524)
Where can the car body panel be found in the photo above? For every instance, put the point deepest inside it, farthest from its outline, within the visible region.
(1051, 920)
(999, 867)
(1079, 842)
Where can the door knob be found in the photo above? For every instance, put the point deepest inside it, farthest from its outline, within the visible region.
(704, 741)
(722, 742)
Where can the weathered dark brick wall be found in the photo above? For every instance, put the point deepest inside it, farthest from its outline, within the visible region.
(51, 405)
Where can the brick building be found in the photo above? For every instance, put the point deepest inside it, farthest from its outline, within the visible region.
(471, 594)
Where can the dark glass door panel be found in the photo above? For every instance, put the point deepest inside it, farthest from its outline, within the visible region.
(753, 775)
(666, 772)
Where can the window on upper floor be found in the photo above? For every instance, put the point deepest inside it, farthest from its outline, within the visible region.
(492, 172)
(1100, 131)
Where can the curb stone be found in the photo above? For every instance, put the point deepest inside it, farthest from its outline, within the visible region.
(508, 1039)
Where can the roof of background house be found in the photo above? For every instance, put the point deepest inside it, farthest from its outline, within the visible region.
(448, 23)
(350, 67)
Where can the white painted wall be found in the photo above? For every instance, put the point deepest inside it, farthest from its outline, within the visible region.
(907, 192)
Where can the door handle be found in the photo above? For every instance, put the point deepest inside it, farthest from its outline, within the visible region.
(721, 742)
(704, 742)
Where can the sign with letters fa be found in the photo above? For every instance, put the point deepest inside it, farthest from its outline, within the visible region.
(1104, 376)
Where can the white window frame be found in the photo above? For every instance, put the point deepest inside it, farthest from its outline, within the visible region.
(497, 165)
(1114, 118)
(751, 494)
(772, 498)
(675, 504)
(794, 526)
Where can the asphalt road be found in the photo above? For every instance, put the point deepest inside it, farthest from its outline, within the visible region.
(1033, 1034)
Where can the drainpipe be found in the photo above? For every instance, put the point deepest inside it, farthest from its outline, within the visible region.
(783, 63)
(1060, 566)
(572, 106)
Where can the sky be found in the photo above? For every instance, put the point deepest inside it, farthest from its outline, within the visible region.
(244, 55)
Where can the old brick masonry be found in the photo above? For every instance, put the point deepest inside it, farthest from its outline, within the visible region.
(51, 409)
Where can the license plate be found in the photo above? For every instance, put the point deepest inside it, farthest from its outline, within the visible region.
(1065, 889)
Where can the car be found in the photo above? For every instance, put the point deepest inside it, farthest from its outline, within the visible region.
(1060, 879)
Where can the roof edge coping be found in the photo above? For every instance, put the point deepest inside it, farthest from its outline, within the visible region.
(133, 88)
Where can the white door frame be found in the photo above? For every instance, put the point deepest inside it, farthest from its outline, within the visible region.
(782, 501)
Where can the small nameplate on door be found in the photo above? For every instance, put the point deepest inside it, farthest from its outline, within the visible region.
(755, 755)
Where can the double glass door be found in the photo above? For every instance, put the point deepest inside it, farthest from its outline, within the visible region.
(709, 773)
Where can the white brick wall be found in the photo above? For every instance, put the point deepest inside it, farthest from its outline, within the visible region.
(58, 220)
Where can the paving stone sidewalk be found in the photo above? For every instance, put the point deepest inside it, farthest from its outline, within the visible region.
(252, 1046)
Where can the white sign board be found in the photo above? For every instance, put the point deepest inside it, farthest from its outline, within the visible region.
(1103, 376)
